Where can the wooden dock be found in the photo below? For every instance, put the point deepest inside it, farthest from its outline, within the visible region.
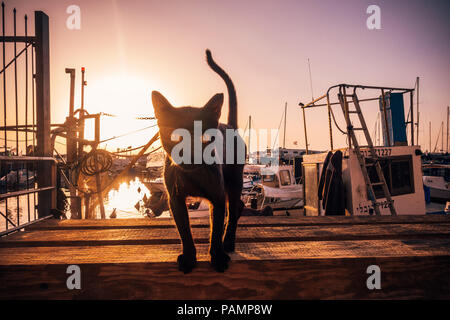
(275, 258)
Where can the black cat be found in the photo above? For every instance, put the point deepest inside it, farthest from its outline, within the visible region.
(220, 184)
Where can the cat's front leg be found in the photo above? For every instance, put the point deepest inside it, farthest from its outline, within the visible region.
(219, 259)
(188, 259)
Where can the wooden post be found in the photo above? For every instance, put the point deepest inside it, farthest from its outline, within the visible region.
(46, 199)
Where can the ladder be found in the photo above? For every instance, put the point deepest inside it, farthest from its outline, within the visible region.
(361, 159)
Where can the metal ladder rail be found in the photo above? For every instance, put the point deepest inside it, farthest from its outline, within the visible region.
(361, 160)
(375, 157)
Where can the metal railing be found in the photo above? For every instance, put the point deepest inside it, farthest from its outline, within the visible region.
(27, 169)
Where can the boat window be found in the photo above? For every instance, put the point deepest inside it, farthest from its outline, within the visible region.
(398, 173)
(268, 177)
(285, 177)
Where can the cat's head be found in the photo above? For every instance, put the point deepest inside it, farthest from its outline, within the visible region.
(171, 118)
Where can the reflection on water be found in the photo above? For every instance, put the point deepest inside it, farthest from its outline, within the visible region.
(127, 200)
(20, 210)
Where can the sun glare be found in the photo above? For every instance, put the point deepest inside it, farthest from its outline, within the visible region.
(123, 99)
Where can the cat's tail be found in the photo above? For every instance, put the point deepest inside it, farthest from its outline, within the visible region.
(232, 111)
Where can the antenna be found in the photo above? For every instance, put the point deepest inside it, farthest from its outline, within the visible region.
(310, 81)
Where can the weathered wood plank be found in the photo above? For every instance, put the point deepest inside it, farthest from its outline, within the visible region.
(401, 278)
(295, 250)
(96, 237)
(243, 221)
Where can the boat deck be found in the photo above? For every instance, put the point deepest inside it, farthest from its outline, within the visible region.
(276, 258)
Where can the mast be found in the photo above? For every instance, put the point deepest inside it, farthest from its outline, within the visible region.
(249, 134)
(417, 104)
(448, 113)
(284, 135)
(429, 134)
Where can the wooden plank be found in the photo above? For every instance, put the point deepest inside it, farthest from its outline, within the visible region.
(298, 270)
(243, 221)
(294, 250)
(96, 237)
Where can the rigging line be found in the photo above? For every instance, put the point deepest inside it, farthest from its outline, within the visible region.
(136, 118)
(128, 133)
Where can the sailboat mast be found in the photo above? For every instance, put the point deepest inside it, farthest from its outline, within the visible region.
(429, 134)
(249, 134)
(417, 109)
(448, 113)
(284, 135)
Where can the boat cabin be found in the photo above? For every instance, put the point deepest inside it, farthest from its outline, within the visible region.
(376, 176)
(401, 168)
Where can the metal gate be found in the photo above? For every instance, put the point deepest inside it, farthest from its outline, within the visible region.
(27, 168)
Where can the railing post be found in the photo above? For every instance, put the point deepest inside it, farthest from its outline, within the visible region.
(45, 175)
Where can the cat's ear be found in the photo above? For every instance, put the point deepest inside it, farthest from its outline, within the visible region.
(160, 103)
(215, 104)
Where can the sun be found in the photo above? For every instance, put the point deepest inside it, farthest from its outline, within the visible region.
(122, 99)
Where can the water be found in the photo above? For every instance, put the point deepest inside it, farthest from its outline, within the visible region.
(24, 214)
(124, 199)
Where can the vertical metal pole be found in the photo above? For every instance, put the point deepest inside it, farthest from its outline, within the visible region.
(4, 82)
(329, 122)
(417, 107)
(34, 134)
(383, 101)
(411, 98)
(442, 137)
(97, 176)
(71, 142)
(429, 134)
(26, 113)
(46, 199)
(249, 134)
(304, 127)
(284, 134)
(81, 116)
(448, 114)
(17, 112)
(346, 114)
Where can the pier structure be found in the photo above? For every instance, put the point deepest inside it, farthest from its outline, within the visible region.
(293, 257)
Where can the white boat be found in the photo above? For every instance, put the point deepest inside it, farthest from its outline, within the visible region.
(345, 185)
(436, 177)
(277, 189)
(402, 171)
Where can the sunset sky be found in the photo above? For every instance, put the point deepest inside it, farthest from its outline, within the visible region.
(130, 48)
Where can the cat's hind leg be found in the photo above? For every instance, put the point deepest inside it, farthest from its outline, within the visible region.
(219, 259)
(188, 259)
